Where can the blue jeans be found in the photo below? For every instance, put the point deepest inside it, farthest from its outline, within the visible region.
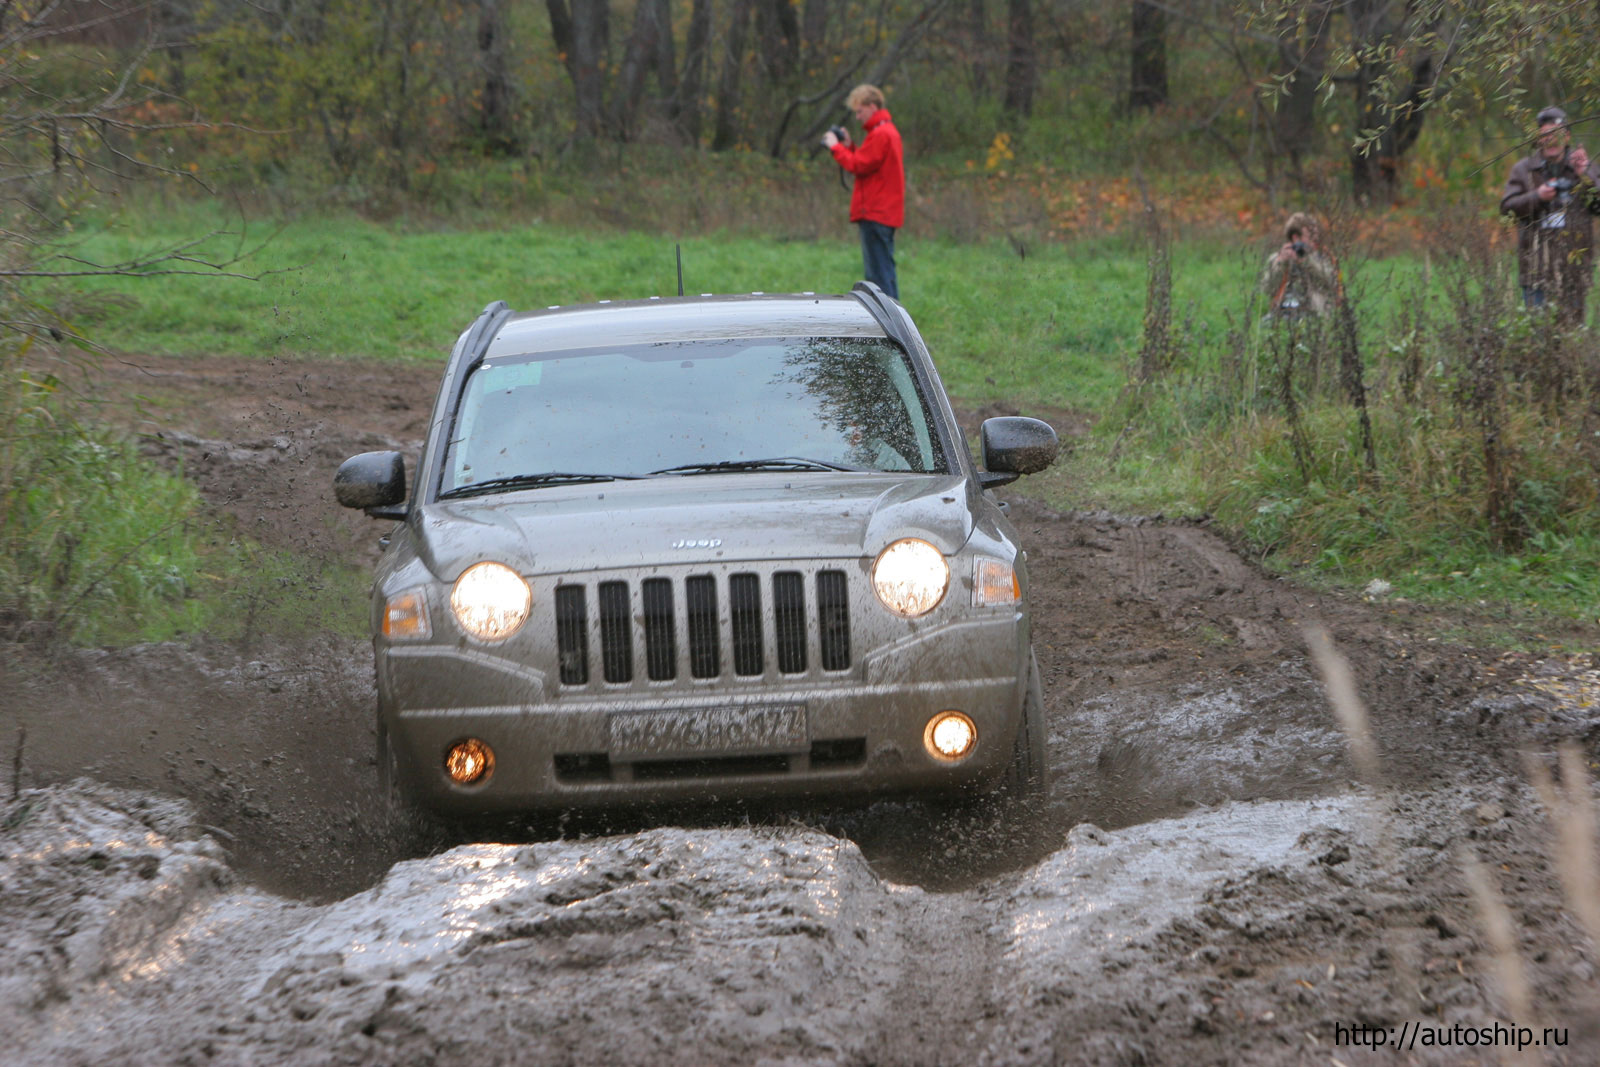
(877, 255)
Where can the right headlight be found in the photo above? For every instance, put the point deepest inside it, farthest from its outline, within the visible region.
(491, 601)
(910, 577)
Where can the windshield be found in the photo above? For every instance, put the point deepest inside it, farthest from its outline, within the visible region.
(691, 407)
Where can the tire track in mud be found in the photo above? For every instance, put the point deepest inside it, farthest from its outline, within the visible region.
(1174, 678)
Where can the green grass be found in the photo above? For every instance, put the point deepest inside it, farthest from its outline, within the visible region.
(100, 546)
(1057, 328)
(1057, 325)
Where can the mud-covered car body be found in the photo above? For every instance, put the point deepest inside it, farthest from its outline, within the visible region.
(646, 553)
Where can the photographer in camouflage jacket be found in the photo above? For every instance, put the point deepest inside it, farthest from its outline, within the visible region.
(1552, 195)
(1301, 276)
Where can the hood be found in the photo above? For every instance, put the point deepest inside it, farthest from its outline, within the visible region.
(728, 518)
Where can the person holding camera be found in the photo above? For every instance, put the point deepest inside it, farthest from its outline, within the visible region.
(878, 202)
(1552, 196)
(1301, 276)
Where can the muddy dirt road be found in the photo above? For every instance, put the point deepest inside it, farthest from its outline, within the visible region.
(194, 867)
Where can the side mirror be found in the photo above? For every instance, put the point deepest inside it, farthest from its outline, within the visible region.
(373, 481)
(1013, 446)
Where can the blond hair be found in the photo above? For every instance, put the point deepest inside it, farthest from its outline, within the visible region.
(864, 94)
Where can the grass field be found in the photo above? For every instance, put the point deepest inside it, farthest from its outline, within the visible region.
(1056, 328)
(1056, 325)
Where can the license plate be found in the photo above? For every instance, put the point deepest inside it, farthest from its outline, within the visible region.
(724, 731)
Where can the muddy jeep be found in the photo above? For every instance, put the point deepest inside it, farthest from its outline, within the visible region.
(693, 547)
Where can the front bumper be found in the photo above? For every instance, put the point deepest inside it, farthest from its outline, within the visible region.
(864, 728)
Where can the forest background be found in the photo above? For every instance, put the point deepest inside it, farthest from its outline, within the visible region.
(1093, 191)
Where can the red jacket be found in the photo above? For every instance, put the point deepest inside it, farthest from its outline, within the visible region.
(879, 167)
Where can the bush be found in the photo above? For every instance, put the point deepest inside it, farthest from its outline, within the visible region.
(1434, 433)
(93, 540)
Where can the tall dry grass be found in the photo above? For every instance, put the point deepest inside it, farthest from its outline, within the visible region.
(1569, 806)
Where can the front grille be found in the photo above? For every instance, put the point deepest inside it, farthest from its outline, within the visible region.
(833, 615)
(789, 616)
(700, 598)
(744, 595)
(660, 645)
(616, 632)
(572, 634)
(762, 625)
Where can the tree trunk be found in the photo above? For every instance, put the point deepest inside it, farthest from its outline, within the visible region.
(665, 62)
(726, 132)
(978, 44)
(1147, 69)
(495, 120)
(1375, 166)
(778, 32)
(1302, 61)
(641, 54)
(814, 33)
(686, 105)
(1022, 62)
(583, 36)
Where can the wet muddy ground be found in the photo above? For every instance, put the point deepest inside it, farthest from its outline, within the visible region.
(195, 868)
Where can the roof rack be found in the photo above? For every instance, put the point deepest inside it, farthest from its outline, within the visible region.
(482, 331)
(886, 310)
(463, 361)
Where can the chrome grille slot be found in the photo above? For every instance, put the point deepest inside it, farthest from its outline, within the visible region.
(789, 619)
(572, 634)
(700, 597)
(616, 632)
(833, 620)
(744, 598)
(744, 631)
(660, 643)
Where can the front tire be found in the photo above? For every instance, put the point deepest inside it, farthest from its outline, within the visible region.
(397, 796)
(1028, 776)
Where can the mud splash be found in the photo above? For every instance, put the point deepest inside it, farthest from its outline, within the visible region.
(668, 946)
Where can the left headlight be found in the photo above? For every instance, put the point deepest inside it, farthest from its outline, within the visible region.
(491, 601)
(910, 577)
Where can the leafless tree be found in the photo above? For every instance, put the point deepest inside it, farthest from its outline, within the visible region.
(685, 106)
(1302, 58)
(1022, 57)
(1147, 65)
(582, 34)
(59, 147)
(725, 133)
(496, 119)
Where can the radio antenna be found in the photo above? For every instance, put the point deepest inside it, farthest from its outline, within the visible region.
(678, 251)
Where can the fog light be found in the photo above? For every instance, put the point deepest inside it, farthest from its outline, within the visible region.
(950, 736)
(469, 762)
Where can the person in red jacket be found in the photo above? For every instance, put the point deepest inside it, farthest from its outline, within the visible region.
(878, 203)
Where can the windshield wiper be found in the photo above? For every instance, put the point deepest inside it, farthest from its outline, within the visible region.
(526, 481)
(777, 463)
